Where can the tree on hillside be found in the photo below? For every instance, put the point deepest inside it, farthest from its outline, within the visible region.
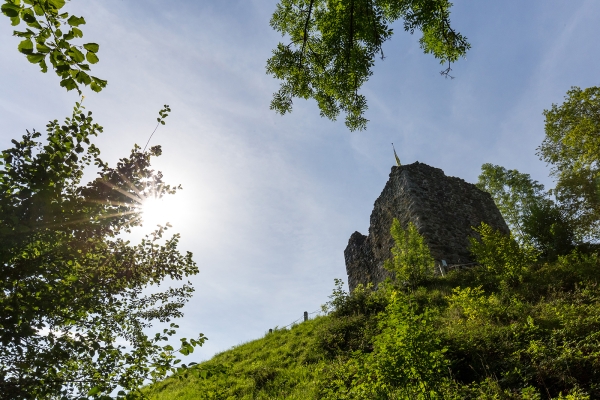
(73, 309)
(531, 214)
(332, 45)
(572, 148)
(513, 192)
(49, 39)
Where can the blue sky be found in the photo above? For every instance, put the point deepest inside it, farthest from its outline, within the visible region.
(270, 201)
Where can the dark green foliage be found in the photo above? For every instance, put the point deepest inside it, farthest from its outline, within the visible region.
(354, 321)
(73, 309)
(549, 230)
(333, 44)
(514, 194)
(572, 147)
(502, 259)
(49, 38)
(407, 360)
(363, 301)
(345, 334)
(531, 214)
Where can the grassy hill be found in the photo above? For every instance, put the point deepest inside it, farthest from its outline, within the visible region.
(280, 365)
(498, 331)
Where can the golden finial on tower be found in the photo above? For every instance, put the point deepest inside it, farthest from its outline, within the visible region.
(396, 155)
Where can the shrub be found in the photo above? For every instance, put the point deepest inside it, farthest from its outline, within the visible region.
(408, 359)
(548, 229)
(411, 260)
(501, 257)
(353, 320)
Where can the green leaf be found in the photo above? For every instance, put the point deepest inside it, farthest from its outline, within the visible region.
(27, 15)
(35, 24)
(76, 32)
(14, 21)
(26, 46)
(93, 47)
(27, 33)
(58, 4)
(62, 68)
(69, 84)
(75, 21)
(35, 58)
(91, 57)
(94, 391)
(44, 66)
(95, 87)
(185, 351)
(99, 81)
(84, 78)
(76, 55)
(10, 10)
(42, 48)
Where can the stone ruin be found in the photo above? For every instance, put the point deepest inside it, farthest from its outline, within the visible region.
(443, 208)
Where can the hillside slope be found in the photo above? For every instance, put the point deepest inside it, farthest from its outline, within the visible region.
(503, 330)
(283, 364)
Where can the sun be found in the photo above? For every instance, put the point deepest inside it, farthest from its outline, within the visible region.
(158, 211)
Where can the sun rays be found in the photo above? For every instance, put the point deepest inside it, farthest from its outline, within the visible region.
(156, 211)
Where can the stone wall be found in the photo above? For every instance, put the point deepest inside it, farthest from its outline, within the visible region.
(443, 208)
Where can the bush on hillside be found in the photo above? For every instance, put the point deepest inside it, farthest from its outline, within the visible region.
(353, 320)
(411, 260)
(501, 257)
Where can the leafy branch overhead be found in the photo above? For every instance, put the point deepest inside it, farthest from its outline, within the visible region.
(48, 38)
(333, 44)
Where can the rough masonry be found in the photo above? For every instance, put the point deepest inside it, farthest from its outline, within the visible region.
(443, 208)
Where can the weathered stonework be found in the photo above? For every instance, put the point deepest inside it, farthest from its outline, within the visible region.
(443, 208)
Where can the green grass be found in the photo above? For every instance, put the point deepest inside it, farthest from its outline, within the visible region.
(283, 364)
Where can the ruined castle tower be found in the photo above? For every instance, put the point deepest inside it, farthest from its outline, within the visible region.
(443, 208)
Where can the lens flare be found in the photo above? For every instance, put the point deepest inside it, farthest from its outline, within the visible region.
(157, 211)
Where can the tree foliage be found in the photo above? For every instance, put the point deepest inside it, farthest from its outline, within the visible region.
(408, 360)
(49, 38)
(549, 229)
(533, 217)
(73, 310)
(411, 259)
(513, 192)
(333, 44)
(500, 256)
(572, 147)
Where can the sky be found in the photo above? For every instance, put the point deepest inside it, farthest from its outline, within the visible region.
(270, 201)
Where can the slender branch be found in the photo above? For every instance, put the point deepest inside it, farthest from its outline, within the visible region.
(351, 34)
(305, 38)
(157, 124)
